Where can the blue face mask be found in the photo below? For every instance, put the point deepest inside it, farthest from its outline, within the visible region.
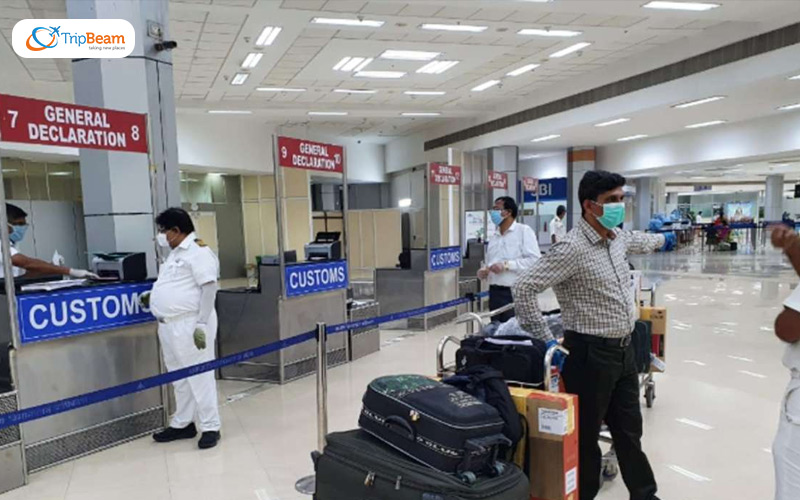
(17, 233)
(496, 217)
(613, 215)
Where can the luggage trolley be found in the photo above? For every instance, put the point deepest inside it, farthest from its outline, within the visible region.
(647, 380)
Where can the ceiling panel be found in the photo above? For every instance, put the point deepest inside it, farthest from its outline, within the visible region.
(344, 5)
(462, 10)
(383, 7)
(303, 4)
(420, 10)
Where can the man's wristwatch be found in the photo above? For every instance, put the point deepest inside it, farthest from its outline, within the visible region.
(505, 265)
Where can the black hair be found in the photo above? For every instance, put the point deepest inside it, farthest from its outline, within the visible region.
(597, 182)
(561, 210)
(509, 204)
(13, 212)
(175, 217)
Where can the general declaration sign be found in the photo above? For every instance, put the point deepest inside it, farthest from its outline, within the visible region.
(299, 153)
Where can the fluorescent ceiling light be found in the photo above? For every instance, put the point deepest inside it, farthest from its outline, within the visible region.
(706, 124)
(795, 77)
(58, 174)
(632, 137)
(352, 63)
(424, 92)
(612, 122)
(454, 27)
(267, 36)
(485, 85)
(380, 74)
(239, 78)
(279, 89)
(437, 67)
(354, 91)
(522, 70)
(530, 157)
(229, 112)
(569, 50)
(693, 6)
(409, 55)
(404, 203)
(546, 138)
(421, 113)
(550, 33)
(252, 60)
(789, 107)
(705, 100)
(365, 23)
(698, 178)
(327, 113)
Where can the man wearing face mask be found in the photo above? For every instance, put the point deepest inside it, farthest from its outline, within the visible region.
(589, 272)
(182, 300)
(29, 266)
(512, 249)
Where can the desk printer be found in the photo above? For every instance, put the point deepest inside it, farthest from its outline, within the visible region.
(326, 246)
(128, 266)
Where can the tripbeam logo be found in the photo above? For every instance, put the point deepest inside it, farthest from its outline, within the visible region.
(73, 38)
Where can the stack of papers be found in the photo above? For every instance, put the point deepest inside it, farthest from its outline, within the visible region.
(49, 286)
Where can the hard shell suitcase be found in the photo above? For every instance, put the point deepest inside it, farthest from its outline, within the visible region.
(519, 359)
(434, 423)
(642, 340)
(356, 466)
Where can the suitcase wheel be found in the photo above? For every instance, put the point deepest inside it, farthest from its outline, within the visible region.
(468, 477)
(610, 468)
(497, 469)
(650, 393)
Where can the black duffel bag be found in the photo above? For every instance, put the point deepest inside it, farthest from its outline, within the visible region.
(518, 358)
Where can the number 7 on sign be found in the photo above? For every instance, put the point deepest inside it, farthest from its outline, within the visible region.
(14, 114)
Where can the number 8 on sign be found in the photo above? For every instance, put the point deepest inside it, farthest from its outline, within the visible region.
(135, 133)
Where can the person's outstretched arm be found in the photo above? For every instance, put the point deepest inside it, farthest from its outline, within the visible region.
(787, 239)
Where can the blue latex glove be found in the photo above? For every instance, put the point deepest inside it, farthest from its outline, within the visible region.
(558, 356)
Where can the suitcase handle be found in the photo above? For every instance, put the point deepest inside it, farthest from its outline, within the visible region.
(401, 426)
(478, 446)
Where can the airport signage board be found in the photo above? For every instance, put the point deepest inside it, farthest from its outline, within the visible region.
(530, 184)
(554, 189)
(498, 180)
(445, 175)
(34, 121)
(79, 311)
(445, 258)
(310, 155)
(305, 279)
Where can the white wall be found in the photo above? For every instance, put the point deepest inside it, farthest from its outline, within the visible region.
(549, 167)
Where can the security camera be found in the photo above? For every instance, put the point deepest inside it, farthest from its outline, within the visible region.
(168, 45)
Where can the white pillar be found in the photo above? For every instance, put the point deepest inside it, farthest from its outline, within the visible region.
(579, 161)
(643, 203)
(504, 159)
(118, 200)
(773, 198)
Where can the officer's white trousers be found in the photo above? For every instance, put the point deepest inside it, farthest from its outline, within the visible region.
(195, 397)
(786, 449)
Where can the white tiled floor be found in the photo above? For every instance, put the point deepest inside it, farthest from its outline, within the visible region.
(707, 435)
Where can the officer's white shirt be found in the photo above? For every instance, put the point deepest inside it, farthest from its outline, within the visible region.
(18, 271)
(186, 269)
(558, 229)
(791, 358)
(518, 247)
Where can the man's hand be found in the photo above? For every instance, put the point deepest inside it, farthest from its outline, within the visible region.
(83, 274)
(787, 325)
(784, 237)
(558, 357)
(200, 337)
(144, 300)
(498, 268)
(483, 273)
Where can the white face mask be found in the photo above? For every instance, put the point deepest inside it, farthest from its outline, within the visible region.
(161, 239)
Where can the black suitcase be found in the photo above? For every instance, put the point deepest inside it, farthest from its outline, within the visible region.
(642, 341)
(519, 359)
(434, 423)
(355, 466)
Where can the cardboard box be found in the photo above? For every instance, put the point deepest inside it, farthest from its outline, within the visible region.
(552, 443)
(657, 316)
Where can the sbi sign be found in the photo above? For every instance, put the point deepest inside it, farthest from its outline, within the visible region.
(303, 279)
(45, 316)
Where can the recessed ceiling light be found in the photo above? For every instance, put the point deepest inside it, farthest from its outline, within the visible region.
(229, 112)
(706, 124)
(530, 157)
(795, 77)
(424, 92)
(364, 23)
(789, 107)
(454, 27)
(354, 91)
(409, 55)
(698, 177)
(546, 138)
(569, 50)
(612, 122)
(59, 174)
(380, 74)
(549, 33)
(705, 100)
(239, 78)
(522, 70)
(279, 89)
(485, 85)
(404, 202)
(421, 113)
(252, 60)
(352, 63)
(327, 113)
(632, 137)
(267, 36)
(693, 6)
(437, 67)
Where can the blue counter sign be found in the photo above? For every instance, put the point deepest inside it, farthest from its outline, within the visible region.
(53, 315)
(445, 258)
(304, 279)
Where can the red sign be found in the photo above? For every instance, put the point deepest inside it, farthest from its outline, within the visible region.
(447, 175)
(34, 121)
(530, 184)
(299, 153)
(498, 180)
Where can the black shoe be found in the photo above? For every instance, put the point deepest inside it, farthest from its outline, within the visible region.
(171, 434)
(209, 440)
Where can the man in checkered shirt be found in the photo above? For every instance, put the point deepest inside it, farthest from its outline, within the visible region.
(589, 272)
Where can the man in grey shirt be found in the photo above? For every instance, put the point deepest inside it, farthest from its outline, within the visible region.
(589, 272)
